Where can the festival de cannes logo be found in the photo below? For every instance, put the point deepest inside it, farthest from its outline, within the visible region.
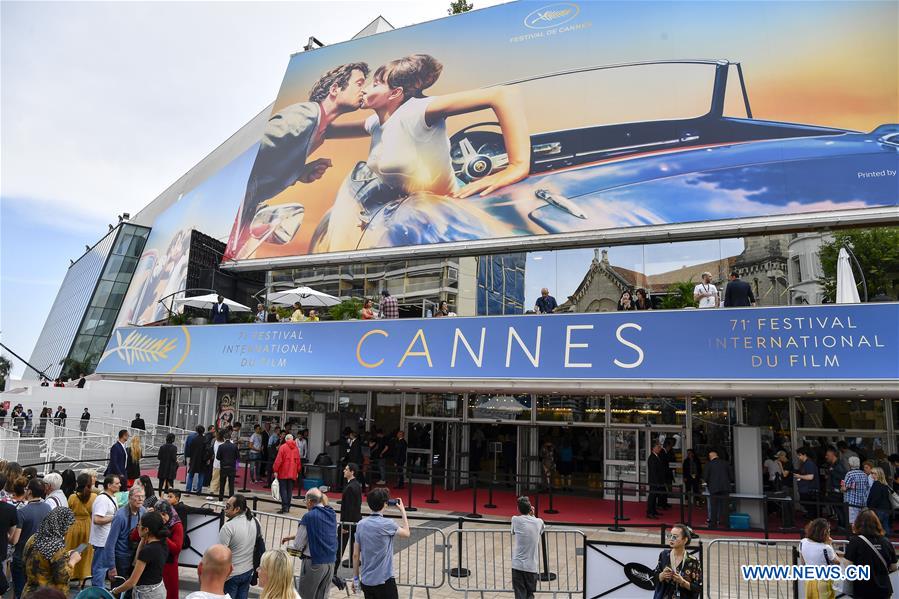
(552, 15)
(140, 347)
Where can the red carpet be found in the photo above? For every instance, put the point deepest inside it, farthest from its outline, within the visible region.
(573, 509)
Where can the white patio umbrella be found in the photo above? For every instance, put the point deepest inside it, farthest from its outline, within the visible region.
(209, 300)
(308, 297)
(847, 291)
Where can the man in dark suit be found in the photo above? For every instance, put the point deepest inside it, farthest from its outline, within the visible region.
(220, 311)
(718, 478)
(350, 508)
(668, 459)
(118, 456)
(655, 470)
(738, 293)
(138, 423)
(353, 453)
(227, 456)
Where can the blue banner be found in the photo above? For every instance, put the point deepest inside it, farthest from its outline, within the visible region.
(810, 342)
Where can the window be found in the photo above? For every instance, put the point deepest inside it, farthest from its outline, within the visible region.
(571, 408)
(628, 409)
(310, 400)
(434, 405)
(840, 413)
(796, 263)
(500, 406)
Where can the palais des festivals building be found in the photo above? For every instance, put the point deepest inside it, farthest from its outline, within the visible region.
(649, 165)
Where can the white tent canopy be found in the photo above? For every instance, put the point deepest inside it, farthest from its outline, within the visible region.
(209, 300)
(847, 290)
(308, 297)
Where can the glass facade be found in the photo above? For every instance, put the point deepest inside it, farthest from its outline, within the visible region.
(783, 269)
(103, 309)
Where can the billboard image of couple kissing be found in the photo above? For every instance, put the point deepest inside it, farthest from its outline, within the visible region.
(531, 119)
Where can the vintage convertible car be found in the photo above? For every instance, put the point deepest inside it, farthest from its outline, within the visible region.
(707, 167)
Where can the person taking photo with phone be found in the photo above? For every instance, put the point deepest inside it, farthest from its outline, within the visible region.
(373, 554)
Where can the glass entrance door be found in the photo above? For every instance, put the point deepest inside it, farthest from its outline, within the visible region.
(421, 448)
(623, 454)
(625, 458)
(457, 459)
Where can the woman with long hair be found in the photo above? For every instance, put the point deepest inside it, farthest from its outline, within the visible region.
(879, 498)
(626, 301)
(81, 502)
(146, 577)
(173, 544)
(678, 574)
(871, 548)
(367, 312)
(133, 469)
(149, 491)
(409, 165)
(276, 575)
(643, 302)
(69, 482)
(47, 562)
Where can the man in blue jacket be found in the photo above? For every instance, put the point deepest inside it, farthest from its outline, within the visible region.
(125, 520)
(118, 456)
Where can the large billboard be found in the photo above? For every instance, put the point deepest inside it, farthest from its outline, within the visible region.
(541, 119)
(162, 269)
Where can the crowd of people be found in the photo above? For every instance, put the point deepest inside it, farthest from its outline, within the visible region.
(63, 529)
(837, 481)
(23, 420)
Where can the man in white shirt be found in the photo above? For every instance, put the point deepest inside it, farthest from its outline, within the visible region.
(55, 497)
(705, 293)
(102, 513)
(216, 464)
(526, 531)
(213, 570)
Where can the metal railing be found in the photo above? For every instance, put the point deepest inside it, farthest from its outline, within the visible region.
(480, 561)
(724, 580)
(418, 562)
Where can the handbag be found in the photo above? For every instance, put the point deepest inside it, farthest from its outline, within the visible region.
(276, 490)
(258, 550)
(894, 500)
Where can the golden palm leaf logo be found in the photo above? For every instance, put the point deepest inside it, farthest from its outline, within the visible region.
(138, 347)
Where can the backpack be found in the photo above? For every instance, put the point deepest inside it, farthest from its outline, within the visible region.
(258, 550)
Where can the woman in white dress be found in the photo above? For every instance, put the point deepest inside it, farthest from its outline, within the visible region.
(407, 191)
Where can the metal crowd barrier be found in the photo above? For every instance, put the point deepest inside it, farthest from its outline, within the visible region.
(723, 578)
(418, 561)
(480, 561)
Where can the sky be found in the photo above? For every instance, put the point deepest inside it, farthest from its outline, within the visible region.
(106, 104)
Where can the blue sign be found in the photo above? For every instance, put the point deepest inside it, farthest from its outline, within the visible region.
(810, 342)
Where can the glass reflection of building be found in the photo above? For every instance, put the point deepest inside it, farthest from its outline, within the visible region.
(482, 286)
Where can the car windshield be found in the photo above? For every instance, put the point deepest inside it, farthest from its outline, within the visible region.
(624, 94)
